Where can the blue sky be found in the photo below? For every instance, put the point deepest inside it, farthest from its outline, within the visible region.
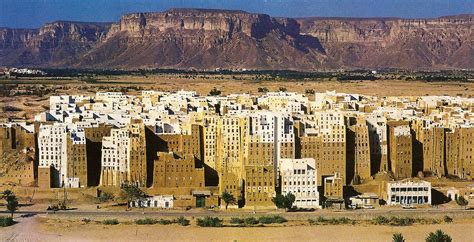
(34, 13)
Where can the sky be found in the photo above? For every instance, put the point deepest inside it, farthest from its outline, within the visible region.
(34, 13)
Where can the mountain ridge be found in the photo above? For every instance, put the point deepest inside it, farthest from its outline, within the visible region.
(234, 39)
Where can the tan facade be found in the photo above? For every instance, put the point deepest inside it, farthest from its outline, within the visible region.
(400, 149)
(330, 156)
(173, 170)
(22, 173)
(333, 186)
(77, 162)
(16, 138)
(45, 177)
(210, 141)
(259, 186)
(124, 157)
(94, 138)
(138, 166)
(360, 148)
(433, 151)
(184, 144)
(460, 152)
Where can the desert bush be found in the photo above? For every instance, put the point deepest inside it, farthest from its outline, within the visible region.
(182, 221)
(235, 220)
(447, 219)
(406, 221)
(333, 221)
(272, 219)
(145, 221)
(6, 221)
(105, 197)
(393, 221)
(110, 222)
(164, 221)
(380, 220)
(209, 222)
(251, 221)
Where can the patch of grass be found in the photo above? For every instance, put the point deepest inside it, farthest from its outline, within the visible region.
(110, 221)
(6, 221)
(209, 222)
(182, 221)
(235, 220)
(145, 221)
(272, 219)
(250, 221)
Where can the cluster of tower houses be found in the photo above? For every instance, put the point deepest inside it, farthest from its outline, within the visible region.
(252, 146)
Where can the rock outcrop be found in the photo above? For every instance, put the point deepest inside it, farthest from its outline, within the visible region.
(208, 39)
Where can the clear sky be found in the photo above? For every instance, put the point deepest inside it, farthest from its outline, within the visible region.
(34, 13)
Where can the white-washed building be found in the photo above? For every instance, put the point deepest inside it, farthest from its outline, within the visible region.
(299, 177)
(409, 191)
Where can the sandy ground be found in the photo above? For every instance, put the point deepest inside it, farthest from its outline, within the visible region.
(44, 229)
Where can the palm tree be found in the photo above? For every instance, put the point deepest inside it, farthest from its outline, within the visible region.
(438, 236)
(398, 238)
(228, 198)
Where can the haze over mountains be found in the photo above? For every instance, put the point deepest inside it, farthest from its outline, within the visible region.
(209, 39)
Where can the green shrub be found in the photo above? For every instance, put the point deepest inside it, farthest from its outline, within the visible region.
(447, 219)
(235, 220)
(394, 221)
(164, 221)
(182, 221)
(333, 221)
(105, 197)
(251, 221)
(271, 219)
(145, 221)
(6, 221)
(380, 220)
(344, 220)
(318, 221)
(110, 222)
(209, 222)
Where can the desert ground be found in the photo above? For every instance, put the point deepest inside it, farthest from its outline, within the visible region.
(23, 98)
(52, 228)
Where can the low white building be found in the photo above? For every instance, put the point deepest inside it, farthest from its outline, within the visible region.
(159, 201)
(299, 177)
(409, 191)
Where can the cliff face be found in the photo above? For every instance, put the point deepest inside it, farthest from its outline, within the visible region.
(204, 39)
(207, 39)
(55, 44)
(404, 43)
